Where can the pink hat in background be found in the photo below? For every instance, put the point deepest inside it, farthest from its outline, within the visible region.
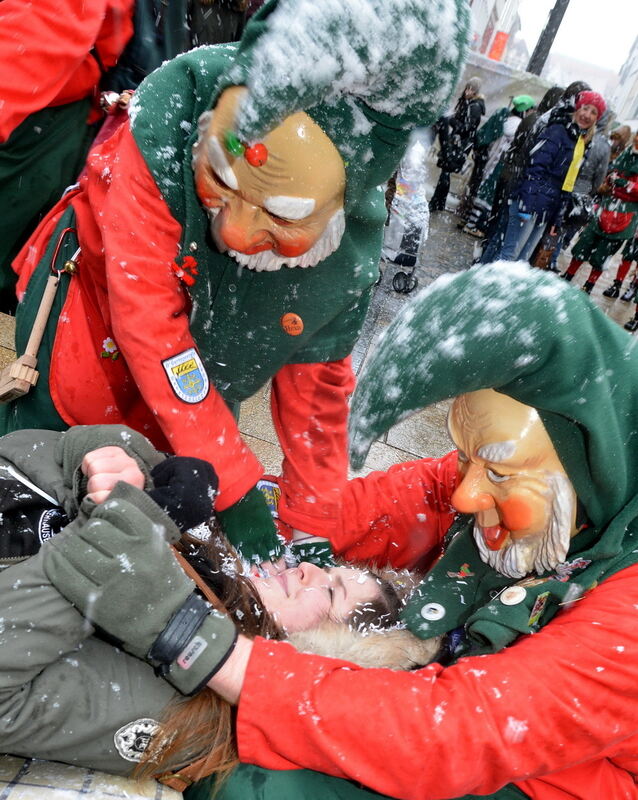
(591, 99)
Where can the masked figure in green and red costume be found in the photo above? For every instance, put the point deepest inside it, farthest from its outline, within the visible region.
(194, 287)
(535, 593)
(615, 223)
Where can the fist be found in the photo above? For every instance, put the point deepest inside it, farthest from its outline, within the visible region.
(105, 467)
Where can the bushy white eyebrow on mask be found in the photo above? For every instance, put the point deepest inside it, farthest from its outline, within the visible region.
(497, 451)
(218, 162)
(292, 208)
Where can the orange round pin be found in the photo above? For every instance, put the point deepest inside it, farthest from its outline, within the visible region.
(292, 324)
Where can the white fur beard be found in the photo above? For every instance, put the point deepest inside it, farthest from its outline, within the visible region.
(536, 553)
(269, 261)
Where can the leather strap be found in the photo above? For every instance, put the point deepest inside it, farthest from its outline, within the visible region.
(183, 778)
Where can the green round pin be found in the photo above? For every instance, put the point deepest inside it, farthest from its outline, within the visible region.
(233, 145)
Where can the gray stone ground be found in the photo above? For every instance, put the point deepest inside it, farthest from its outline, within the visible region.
(446, 250)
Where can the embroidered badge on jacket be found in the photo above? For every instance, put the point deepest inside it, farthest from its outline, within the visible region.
(187, 376)
(132, 739)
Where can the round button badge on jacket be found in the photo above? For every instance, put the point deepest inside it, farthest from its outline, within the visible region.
(292, 324)
(433, 612)
(513, 595)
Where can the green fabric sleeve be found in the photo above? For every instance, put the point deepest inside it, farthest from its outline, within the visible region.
(64, 693)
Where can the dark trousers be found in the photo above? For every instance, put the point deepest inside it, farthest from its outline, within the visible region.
(39, 160)
(437, 203)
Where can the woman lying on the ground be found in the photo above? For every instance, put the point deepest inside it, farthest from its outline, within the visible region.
(69, 695)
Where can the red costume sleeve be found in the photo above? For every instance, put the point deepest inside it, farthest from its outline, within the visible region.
(398, 517)
(309, 410)
(45, 52)
(563, 701)
(149, 314)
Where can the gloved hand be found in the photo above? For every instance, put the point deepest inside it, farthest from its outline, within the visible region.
(120, 572)
(185, 488)
(314, 549)
(249, 526)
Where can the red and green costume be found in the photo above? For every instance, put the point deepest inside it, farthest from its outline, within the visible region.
(616, 220)
(155, 310)
(50, 56)
(539, 701)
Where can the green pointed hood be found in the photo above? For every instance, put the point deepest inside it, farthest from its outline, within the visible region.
(535, 338)
(348, 66)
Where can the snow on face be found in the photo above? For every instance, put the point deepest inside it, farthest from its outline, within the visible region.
(303, 597)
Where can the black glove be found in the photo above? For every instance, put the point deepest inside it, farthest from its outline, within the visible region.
(185, 489)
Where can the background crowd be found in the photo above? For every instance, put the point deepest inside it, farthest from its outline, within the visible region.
(550, 175)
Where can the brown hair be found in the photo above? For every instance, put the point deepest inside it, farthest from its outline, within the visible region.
(384, 611)
(203, 725)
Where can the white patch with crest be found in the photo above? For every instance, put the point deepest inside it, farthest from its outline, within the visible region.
(132, 739)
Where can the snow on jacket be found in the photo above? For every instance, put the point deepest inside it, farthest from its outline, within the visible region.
(128, 313)
(48, 52)
(594, 168)
(617, 215)
(66, 695)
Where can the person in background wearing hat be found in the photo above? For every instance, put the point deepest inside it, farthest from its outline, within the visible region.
(578, 205)
(195, 285)
(492, 140)
(529, 535)
(616, 222)
(456, 136)
(556, 105)
(555, 159)
(514, 162)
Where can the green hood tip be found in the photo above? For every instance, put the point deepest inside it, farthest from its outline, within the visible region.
(531, 336)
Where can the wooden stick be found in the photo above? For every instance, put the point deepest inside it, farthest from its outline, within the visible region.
(21, 374)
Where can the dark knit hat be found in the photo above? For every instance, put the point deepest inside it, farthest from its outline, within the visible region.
(592, 99)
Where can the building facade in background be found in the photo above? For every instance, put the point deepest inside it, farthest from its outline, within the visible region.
(625, 100)
(495, 24)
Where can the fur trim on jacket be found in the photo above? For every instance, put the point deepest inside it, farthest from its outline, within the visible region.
(390, 649)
